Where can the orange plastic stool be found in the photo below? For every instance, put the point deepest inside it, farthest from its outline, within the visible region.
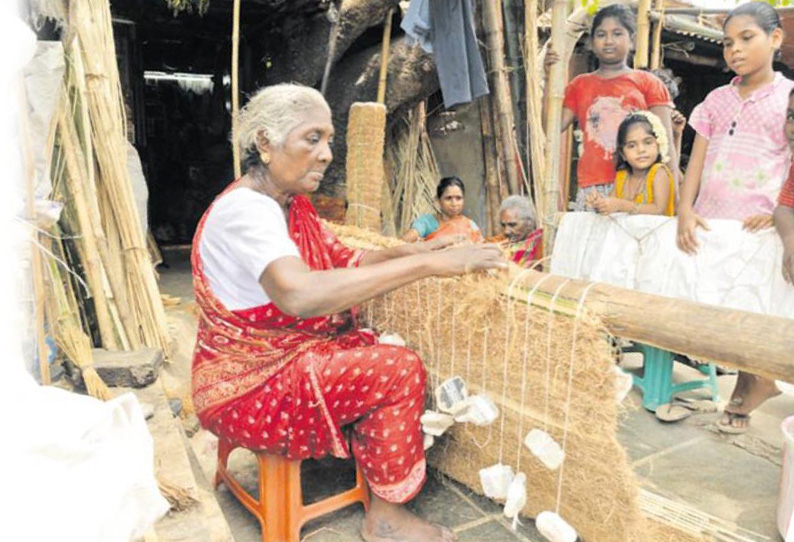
(280, 509)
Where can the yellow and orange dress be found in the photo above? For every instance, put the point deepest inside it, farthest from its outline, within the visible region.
(645, 196)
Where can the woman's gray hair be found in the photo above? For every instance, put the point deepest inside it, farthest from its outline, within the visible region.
(274, 112)
(526, 211)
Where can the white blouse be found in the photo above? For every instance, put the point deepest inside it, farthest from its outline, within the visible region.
(244, 233)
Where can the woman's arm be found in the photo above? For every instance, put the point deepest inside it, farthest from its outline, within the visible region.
(664, 112)
(688, 220)
(298, 291)
(439, 243)
(784, 222)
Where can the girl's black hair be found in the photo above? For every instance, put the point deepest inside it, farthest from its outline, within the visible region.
(623, 130)
(622, 13)
(764, 15)
(446, 182)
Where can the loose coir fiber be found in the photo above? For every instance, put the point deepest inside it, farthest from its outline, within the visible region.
(543, 370)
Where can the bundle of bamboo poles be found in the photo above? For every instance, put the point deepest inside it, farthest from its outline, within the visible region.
(412, 170)
(90, 176)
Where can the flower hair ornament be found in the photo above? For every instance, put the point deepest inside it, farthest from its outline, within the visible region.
(657, 128)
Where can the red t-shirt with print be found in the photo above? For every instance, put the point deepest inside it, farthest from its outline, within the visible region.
(600, 105)
(786, 197)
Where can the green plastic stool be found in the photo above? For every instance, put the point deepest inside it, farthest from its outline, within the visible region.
(656, 381)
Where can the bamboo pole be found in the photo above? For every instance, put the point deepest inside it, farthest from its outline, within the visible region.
(492, 192)
(503, 104)
(535, 135)
(643, 34)
(558, 74)
(235, 87)
(384, 57)
(656, 51)
(751, 342)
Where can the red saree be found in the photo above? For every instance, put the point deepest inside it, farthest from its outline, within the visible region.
(303, 387)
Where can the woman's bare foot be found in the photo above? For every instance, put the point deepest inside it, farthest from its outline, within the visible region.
(388, 522)
(750, 392)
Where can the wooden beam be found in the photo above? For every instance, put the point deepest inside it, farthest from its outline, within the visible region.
(491, 13)
(754, 343)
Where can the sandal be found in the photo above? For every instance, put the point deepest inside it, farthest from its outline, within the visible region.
(729, 428)
(670, 412)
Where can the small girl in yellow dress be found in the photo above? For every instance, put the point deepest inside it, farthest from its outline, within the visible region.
(643, 183)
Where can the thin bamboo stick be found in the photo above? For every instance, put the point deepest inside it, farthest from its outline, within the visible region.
(502, 101)
(384, 57)
(558, 75)
(235, 86)
(643, 34)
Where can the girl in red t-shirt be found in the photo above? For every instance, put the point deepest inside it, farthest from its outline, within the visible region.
(599, 101)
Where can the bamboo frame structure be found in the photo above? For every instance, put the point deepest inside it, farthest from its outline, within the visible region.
(235, 87)
(558, 75)
(502, 102)
(643, 34)
(384, 57)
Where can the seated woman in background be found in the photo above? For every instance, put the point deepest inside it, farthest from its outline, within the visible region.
(280, 363)
(449, 221)
(520, 237)
(643, 184)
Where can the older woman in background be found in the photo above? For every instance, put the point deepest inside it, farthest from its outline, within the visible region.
(280, 364)
(522, 241)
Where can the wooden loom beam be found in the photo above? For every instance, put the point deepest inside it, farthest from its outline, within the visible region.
(754, 343)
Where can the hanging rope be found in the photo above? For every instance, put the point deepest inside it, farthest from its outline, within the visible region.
(520, 439)
(570, 391)
(552, 305)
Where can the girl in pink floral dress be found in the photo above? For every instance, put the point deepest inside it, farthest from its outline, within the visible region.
(740, 158)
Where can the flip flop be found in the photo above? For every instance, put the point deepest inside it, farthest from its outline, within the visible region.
(669, 412)
(702, 406)
(729, 428)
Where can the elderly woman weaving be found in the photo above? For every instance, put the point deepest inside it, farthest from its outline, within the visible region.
(280, 364)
